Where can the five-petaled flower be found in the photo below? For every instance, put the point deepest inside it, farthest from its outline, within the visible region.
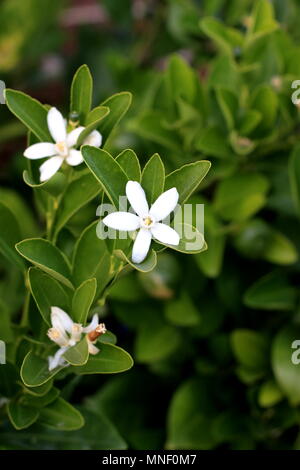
(63, 148)
(148, 221)
(65, 333)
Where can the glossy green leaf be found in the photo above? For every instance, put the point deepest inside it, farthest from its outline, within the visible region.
(110, 360)
(47, 257)
(31, 112)
(145, 266)
(187, 179)
(93, 121)
(91, 259)
(81, 92)
(153, 178)
(107, 171)
(82, 300)
(35, 370)
(47, 293)
(53, 186)
(40, 401)
(118, 105)
(78, 355)
(130, 164)
(21, 416)
(78, 193)
(9, 236)
(61, 415)
(271, 292)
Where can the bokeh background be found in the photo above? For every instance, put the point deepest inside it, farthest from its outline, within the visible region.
(211, 334)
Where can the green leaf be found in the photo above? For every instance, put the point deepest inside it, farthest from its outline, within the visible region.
(187, 179)
(31, 112)
(81, 92)
(228, 103)
(47, 293)
(294, 174)
(110, 360)
(93, 121)
(107, 171)
(226, 38)
(21, 416)
(191, 240)
(265, 101)
(35, 370)
(153, 178)
(182, 311)
(180, 80)
(47, 257)
(91, 259)
(263, 18)
(61, 415)
(271, 292)
(155, 341)
(250, 349)
(280, 249)
(241, 196)
(40, 401)
(54, 186)
(78, 193)
(210, 262)
(145, 266)
(269, 394)
(118, 105)
(82, 300)
(9, 376)
(286, 372)
(213, 142)
(78, 355)
(9, 236)
(151, 126)
(189, 424)
(23, 214)
(130, 164)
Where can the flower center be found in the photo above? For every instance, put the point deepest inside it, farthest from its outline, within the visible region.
(62, 148)
(147, 222)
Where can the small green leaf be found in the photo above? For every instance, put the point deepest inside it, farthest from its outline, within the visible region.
(47, 293)
(271, 292)
(269, 394)
(81, 92)
(153, 178)
(53, 186)
(118, 105)
(93, 121)
(31, 112)
(78, 355)
(187, 179)
(250, 349)
(182, 311)
(35, 370)
(225, 37)
(91, 259)
(107, 171)
(130, 164)
(110, 360)
(145, 266)
(62, 416)
(21, 416)
(78, 193)
(47, 257)
(9, 236)
(82, 300)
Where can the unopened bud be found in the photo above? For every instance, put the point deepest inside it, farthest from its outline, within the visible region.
(100, 330)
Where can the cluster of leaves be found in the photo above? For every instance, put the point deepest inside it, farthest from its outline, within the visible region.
(211, 334)
(73, 268)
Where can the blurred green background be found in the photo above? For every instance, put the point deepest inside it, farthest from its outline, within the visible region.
(211, 334)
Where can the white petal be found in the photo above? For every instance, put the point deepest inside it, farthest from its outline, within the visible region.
(93, 325)
(137, 198)
(50, 167)
(61, 319)
(74, 158)
(72, 137)
(57, 359)
(165, 234)
(141, 245)
(56, 125)
(122, 221)
(94, 139)
(40, 150)
(93, 349)
(164, 204)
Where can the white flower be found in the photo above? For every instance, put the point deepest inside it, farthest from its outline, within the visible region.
(65, 333)
(148, 221)
(62, 150)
